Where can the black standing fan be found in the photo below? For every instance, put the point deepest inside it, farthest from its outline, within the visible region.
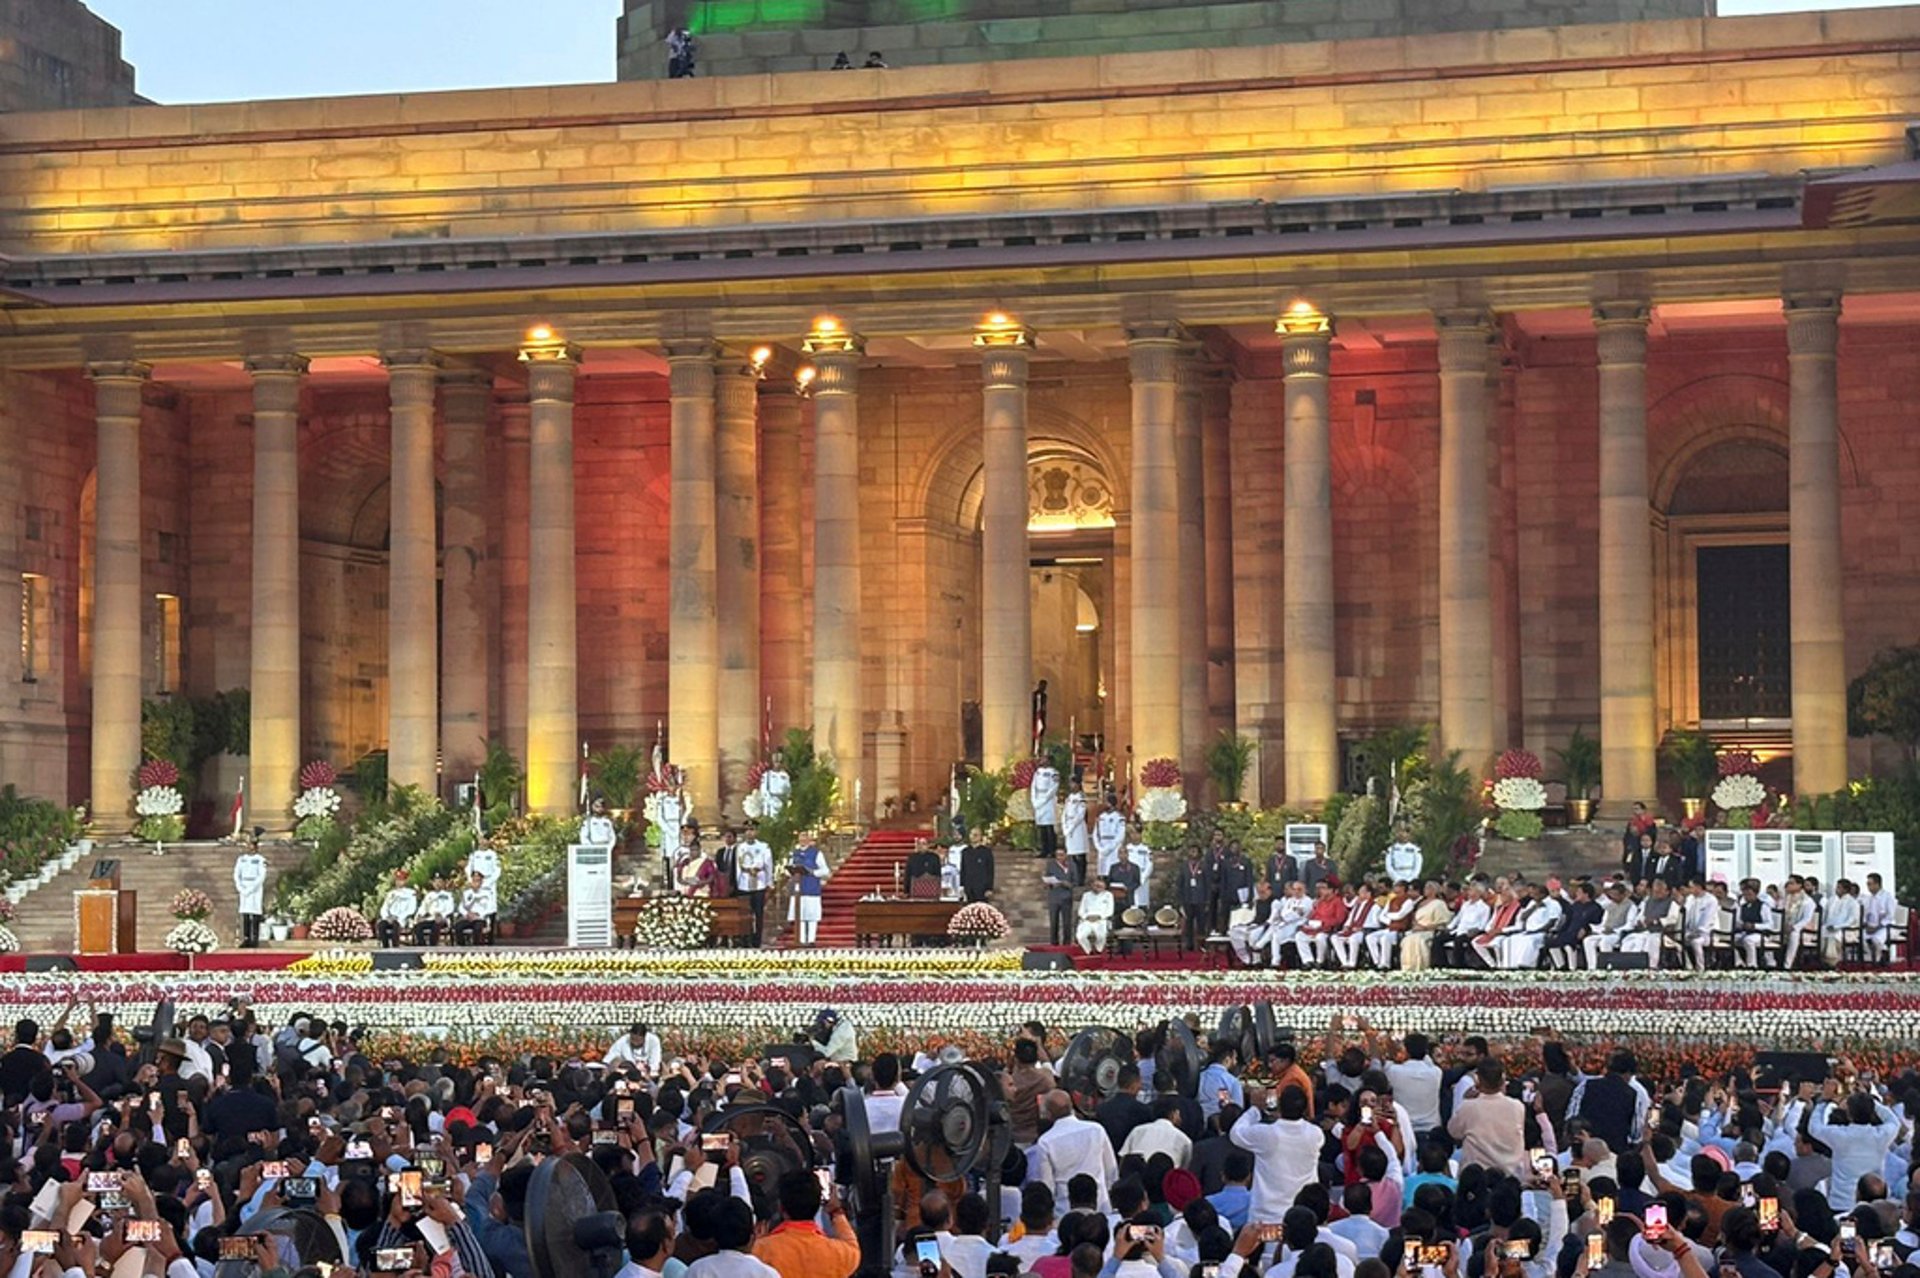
(1090, 1070)
(1179, 1058)
(150, 1036)
(771, 1142)
(1249, 1030)
(870, 1158)
(955, 1119)
(313, 1238)
(574, 1229)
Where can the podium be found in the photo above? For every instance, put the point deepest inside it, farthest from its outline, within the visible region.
(105, 917)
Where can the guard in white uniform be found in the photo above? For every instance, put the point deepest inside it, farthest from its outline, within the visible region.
(1073, 825)
(1109, 838)
(250, 881)
(396, 911)
(1044, 791)
(753, 876)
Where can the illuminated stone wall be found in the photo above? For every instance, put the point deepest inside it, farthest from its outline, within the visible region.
(55, 54)
(751, 37)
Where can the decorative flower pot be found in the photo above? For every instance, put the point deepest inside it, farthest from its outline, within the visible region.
(1579, 811)
(277, 931)
(299, 931)
(1691, 808)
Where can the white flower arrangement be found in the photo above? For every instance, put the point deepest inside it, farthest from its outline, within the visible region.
(191, 936)
(753, 806)
(159, 801)
(1019, 805)
(1739, 791)
(674, 923)
(9, 943)
(1162, 804)
(317, 801)
(1519, 794)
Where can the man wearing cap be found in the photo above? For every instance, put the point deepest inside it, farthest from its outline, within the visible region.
(753, 876)
(250, 882)
(840, 1045)
(397, 910)
(436, 910)
(478, 905)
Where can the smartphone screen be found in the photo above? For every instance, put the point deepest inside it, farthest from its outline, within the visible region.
(826, 1182)
(1656, 1219)
(483, 1153)
(232, 1248)
(716, 1142)
(103, 1182)
(1748, 1198)
(606, 1138)
(1366, 1115)
(1515, 1249)
(1882, 1255)
(1434, 1253)
(1270, 1232)
(183, 1149)
(143, 1231)
(38, 1242)
(410, 1187)
(927, 1251)
(393, 1260)
(1849, 1232)
(1603, 1212)
(1596, 1250)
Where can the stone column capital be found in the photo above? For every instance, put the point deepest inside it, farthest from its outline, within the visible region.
(835, 373)
(119, 370)
(1306, 350)
(1004, 366)
(413, 360)
(1813, 322)
(551, 352)
(550, 377)
(829, 339)
(1155, 349)
(1622, 330)
(1465, 332)
(285, 364)
(736, 384)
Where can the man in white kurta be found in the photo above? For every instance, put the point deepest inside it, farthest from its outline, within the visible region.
(1876, 919)
(1095, 917)
(1843, 916)
(250, 881)
(1109, 838)
(1044, 792)
(1265, 908)
(1073, 827)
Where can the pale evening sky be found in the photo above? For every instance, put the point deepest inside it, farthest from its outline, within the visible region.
(227, 50)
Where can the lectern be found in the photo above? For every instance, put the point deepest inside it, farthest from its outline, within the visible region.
(105, 918)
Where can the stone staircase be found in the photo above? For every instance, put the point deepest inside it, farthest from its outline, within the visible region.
(1563, 854)
(45, 923)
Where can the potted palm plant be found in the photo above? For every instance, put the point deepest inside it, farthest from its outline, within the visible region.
(1228, 760)
(1580, 769)
(1690, 758)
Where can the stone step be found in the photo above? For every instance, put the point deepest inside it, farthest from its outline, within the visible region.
(45, 920)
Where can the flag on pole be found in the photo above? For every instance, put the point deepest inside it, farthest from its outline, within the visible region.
(766, 732)
(479, 821)
(239, 806)
(583, 776)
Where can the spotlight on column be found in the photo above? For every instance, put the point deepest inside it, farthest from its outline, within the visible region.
(1302, 319)
(540, 334)
(760, 356)
(1001, 329)
(803, 378)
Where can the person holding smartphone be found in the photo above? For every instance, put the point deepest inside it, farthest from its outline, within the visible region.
(797, 1245)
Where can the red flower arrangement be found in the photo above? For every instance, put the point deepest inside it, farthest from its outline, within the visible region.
(1022, 775)
(672, 778)
(1517, 763)
(318, 775)
(158, 772)
(1160, 774)
(1739, 763)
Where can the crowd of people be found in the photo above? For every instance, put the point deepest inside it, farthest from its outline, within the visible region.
(1352, 1154)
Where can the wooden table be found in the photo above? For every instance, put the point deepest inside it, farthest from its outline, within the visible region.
(732, 920)
(903, 921)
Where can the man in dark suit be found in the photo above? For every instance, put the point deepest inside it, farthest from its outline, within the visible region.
(1056, 876)
(976, 871)
(922, 863)
(1123, 1111)
(1196, 899)
(1668, 865)
(1233, 885)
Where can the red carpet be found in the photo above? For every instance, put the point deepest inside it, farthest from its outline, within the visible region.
(167, 961)
(870, 868)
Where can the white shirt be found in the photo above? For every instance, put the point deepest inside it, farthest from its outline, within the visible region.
(1074, 826)
(1073, 1146)
(731, 1264)
(1366, 1235)
(1876, 909)
(1109, 836)
(479, 902)
(1416, 1085)
(623, 1052)
(597, 831)
(1286, 1157)
(1160, 1136)
(965, 1254)
(883, 1109)
(1096, 907)
(486, 862)
(1856, 1150)
(400, 905)
(1843, 914)
(1472, 919)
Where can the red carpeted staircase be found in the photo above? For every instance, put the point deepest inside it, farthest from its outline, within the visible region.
(869, 868)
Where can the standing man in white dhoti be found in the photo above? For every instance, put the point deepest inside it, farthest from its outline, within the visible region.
(1044, 792)
(1073, 825)
(1109, 838)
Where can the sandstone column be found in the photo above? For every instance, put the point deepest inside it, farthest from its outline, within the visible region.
(1006, 623)
(1628, 737)
(273, 678)
(553, 715)
(1466, 602)
(693, 643)
(1813, 523)
(466, 395)
(838, 723)
(1190, 484)
(515, 576)
(1310, 709)
(783, 615)
(118, 604)
(413, 685)
(1154, 534)
(737, 573)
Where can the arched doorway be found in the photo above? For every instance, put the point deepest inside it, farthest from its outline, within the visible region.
(1722, 615)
